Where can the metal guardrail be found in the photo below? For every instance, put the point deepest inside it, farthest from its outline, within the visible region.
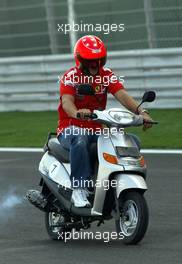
(31, 83)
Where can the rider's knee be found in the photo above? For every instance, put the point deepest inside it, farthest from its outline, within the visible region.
(80, 141)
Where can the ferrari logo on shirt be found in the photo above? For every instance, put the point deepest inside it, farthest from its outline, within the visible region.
(97, 89)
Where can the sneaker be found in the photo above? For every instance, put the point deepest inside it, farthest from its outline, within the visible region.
(37, 199)
(79, 198)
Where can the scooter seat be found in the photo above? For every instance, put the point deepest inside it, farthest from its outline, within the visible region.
(62, 154)
(58, 151)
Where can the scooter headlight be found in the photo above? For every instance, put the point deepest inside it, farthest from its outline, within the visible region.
(127, 152)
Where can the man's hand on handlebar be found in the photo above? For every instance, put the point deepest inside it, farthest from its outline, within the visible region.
(83, 113)
(147, 119)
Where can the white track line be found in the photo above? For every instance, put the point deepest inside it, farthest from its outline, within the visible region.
(145, 151)
(161, 151)
(21, 150)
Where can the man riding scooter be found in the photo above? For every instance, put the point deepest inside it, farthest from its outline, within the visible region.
(76, 134)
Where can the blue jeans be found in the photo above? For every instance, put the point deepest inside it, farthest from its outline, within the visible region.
(78, 143)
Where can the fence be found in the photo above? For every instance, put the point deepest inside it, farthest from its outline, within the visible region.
(31, 83)
(31, 27)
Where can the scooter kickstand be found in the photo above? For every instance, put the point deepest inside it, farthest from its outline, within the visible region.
(100, 222)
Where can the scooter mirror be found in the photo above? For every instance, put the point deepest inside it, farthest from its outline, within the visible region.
(85, 89)
(148, 96)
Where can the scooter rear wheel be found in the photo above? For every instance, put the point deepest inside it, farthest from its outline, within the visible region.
(54, 223)
(133, 222)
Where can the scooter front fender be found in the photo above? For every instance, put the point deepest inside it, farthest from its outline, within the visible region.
(129, 181)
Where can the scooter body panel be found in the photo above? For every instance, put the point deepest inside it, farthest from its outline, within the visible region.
(52, 168)
(105, 169)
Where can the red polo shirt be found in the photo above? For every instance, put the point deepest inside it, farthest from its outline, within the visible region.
(105, 82)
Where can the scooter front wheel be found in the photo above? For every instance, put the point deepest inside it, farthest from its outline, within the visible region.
(54, 223)
(134, 217)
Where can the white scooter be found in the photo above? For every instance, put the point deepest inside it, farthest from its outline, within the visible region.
(119, 180)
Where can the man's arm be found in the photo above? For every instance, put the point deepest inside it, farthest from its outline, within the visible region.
(129, 102)
(68, 104)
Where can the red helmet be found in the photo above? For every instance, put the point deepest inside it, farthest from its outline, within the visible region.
(90, 48)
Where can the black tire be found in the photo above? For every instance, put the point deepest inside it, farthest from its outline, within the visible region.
(56, 233)
(138, 209)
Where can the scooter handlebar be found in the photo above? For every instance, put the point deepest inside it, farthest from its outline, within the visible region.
(91, 115)
(139, 121)
(151, 122)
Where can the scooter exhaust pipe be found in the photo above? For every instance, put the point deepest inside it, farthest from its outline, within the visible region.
(37, 199)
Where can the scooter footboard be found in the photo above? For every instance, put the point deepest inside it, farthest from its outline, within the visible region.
(129, 181)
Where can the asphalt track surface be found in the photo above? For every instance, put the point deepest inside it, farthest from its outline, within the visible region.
(23, 238)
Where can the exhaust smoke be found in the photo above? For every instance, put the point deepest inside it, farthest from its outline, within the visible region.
(8, 202)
